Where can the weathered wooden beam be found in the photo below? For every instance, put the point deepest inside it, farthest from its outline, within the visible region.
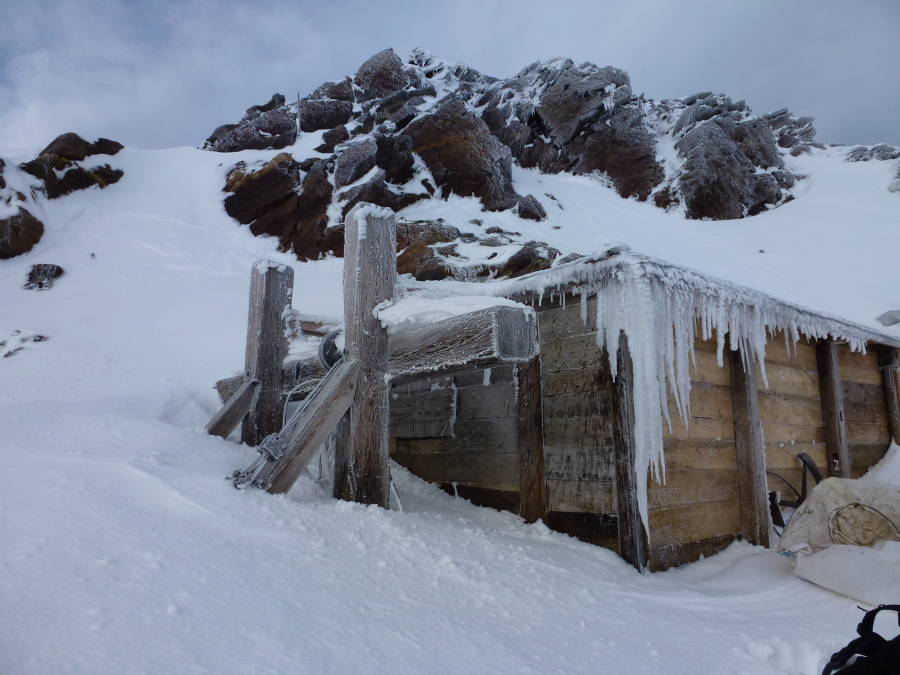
(227, 386)
(633, 542)
(271, 288)
(369, 277)
(235, 409)
(306, 432)
(501, 334)
(832, 394)
(890, 375)
(532, 485)
(753, 490)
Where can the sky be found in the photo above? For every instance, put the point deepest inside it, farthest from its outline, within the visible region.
(161, 74)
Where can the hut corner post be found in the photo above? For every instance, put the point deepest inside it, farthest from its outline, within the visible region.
(532, 485)
(633, 540)
(753, 491)
(361, 461)
(890, 376)
(271, 289)
(832, 393)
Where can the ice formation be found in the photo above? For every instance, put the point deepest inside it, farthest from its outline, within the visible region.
(661, 310)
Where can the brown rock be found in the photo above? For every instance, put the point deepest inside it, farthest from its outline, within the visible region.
(463, 156)
(424, 232)
(255, 193)
(332, 138)
(316, 114)
(380, 75)
(19, 233)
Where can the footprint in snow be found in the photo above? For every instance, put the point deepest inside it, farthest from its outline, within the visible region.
(17, 341)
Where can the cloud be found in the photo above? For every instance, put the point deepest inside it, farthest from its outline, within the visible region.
(156, 74)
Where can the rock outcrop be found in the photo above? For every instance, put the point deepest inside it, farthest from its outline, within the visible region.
(263, 126)
(19, 233)
(58, 166)
(400, 131)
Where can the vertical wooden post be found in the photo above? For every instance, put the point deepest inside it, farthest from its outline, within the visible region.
(271, 288)
(633, 543)
(532, 486)
(369, 275)
(832, 393)
(753, 490)
(887, 361)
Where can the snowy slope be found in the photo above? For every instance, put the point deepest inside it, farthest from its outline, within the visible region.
(126, 551)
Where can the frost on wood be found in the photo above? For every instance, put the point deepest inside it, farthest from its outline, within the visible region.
(496, 334)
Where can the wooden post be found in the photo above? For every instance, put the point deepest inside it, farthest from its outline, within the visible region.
(369, 275)
(832, 393)
(753, 490)
(633, 545)
(532, 486)
(271, 288)
(234, 410)
(887, 361)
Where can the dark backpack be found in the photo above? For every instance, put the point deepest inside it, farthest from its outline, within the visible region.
(874, 655)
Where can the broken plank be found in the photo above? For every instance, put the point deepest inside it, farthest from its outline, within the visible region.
(230, 415)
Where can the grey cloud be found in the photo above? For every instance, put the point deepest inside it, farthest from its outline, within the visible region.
(156, 74)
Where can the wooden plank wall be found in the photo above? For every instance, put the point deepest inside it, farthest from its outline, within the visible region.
(579, 455)
(696, 510)
(791, 413)
(477, 456)
(868, 430)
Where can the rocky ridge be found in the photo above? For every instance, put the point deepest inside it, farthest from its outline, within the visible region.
(400, 131)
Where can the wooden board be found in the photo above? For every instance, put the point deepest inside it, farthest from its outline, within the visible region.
(684, 524)
(424, 414)
(500, 334)
(500, 470)
(230, 415)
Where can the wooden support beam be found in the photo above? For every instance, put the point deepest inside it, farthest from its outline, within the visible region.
(532, 485)
(306, 432)
(832, 394)
(235, 409)
(227, 386)
(890, 375)
(633, 543)
(500, 334)
(369, 276)
(753, 490)
(271, 288)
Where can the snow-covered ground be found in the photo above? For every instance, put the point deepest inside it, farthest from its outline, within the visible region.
(125, 551)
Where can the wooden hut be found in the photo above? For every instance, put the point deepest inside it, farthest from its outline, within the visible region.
(749, 382)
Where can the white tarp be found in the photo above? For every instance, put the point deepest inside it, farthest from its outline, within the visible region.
(846, 537)
(844, 511)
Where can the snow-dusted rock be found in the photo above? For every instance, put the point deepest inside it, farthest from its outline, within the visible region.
(270, 125)
(354, 162)
(19, 233)
(465, 158)
(324, 113)
(882, 152)
(380, 75)
(332, 137)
